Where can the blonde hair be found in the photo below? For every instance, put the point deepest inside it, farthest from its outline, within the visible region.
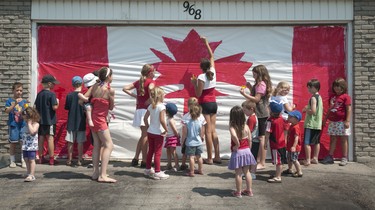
(248, 105)
(282, 85)
(156, 96)
(195, 111)
(192, 101)
(146, 69)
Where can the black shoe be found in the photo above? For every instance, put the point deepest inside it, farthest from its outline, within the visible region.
(183, 167)
(134, 162)
(143, 164)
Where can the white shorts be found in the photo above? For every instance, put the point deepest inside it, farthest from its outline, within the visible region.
(138, 117)
(79, 136)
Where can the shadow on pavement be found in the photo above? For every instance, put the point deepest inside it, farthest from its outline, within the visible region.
(226, 175)
(212, 192)
(65, 175)
(11, 176)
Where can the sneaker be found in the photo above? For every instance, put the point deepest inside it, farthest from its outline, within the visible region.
(23, 164)
(148, 172)
(160, 175)
(247, 193)
(328, 160)
(12, 164)
(343, 162)
(90, 165)
(236, 194)
(253, 176)
(134, 162)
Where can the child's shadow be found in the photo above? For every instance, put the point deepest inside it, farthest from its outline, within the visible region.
(263, 175)
(129, 173)
(11, 176)
(226, 175)
(212, 192)
(66, 175)
(121, 164)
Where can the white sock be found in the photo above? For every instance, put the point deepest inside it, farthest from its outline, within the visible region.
(22, 156)
(12, 158)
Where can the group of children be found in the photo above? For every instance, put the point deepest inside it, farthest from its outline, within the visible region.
(271, 120)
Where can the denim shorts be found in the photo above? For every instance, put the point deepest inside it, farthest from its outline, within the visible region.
(29, 154)
(15, 134)
(194, 151)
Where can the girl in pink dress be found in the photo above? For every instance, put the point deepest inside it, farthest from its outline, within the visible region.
(102, 101)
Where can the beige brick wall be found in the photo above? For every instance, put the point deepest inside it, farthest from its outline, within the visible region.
(364, 80)
(15, 55)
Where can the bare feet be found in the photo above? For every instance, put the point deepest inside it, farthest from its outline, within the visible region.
(106, 179)
(260, 167)
(208, 162)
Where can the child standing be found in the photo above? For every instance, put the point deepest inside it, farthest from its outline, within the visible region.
(339, 117)
(192, 135)
(46, 103)
(143, 87)
(172, 140)
(14, 107)
(30, 140)
(156, 113)
(313, 122)
(279, 94)
(89, 80)
(184, 120)
(241, 158)
(76, 125)
(275, 135)
(260, 94)
(293, 146)
(252, 121)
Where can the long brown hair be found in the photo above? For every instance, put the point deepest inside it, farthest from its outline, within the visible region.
(205, 66)
(146, 69)
(262, 75)
(32, 114)
(237, 120)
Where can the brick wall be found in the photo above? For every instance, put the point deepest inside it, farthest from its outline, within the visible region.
(15, 55)
(364, 80)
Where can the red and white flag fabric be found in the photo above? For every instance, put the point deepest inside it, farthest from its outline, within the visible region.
(292, 54)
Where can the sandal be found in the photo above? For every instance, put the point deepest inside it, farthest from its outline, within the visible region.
(314, 161)
(30, 178)
(247, 193)
(237, 194)
(198, 172)
(189, 174)
(69, 163)
(274, 180)
(297, 175)
(287, 172)
(217, 161)
(205, 161)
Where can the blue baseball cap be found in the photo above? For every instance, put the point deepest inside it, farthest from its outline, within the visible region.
(276, 107)
(295, 114)
(171, 108)
(77, 80)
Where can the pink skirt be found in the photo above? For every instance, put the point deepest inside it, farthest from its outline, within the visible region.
(172, 141)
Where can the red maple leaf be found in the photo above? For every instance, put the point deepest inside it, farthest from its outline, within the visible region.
(187, 55)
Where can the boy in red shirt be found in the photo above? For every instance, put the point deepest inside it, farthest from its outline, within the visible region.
(293, 145)
(275, 135)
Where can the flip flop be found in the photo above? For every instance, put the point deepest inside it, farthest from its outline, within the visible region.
(205, 161)
(106, 180)
(217, 161)
(274, 180)
(198, 172)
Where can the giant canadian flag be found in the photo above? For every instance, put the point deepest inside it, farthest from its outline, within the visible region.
(293, 54)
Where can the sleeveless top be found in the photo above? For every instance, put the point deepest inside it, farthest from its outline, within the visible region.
(315, 121)
(99, 114)
(261, 109)
(208, 93)
(243, 144)
(29, 142)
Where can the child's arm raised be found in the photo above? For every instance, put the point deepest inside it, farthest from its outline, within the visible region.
(210, 53)
(33, 127)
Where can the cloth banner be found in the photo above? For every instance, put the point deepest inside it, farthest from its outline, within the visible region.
(293, 54)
